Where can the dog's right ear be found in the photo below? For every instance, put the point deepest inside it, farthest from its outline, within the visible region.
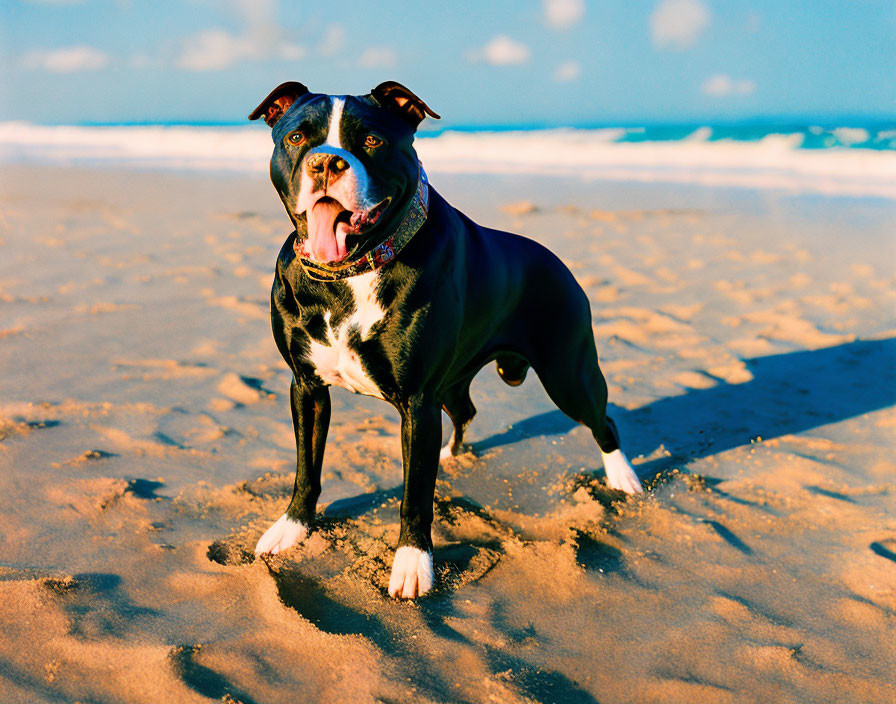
(278, 102)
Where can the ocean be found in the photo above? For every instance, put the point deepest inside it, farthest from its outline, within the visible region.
(849, 160)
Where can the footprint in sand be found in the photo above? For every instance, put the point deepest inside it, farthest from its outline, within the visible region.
(357, 546)
(243, 389)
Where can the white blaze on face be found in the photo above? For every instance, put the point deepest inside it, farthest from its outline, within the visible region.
(335, 123)
(327, 224)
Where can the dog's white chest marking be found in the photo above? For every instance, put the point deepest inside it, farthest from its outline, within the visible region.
(336, 363)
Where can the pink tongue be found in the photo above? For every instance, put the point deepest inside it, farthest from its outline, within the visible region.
(326, 244)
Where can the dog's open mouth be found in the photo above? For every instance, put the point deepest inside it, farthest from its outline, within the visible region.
(330, 224)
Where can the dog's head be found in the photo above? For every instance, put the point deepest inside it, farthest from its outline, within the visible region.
(344, 165)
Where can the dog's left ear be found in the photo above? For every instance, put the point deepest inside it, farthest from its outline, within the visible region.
(278, 102)
(395, 96)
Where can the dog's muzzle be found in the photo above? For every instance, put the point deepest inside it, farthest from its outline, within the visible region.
(334, 198)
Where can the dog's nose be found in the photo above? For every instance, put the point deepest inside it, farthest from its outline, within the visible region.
(330, 166)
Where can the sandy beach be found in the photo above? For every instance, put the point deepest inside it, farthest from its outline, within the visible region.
(749, 343)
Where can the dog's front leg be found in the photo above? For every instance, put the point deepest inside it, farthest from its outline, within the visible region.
(310, 421)
(421, 437)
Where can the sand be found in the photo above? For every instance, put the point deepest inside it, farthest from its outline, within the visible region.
(145, 444)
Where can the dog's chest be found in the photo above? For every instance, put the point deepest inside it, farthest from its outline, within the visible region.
(337, 363)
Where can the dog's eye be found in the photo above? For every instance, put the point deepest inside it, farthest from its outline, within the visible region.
(295, 138)
(372, 142)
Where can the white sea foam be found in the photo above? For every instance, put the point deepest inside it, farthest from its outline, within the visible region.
(851, 135)
(151, 146)
(774, 161)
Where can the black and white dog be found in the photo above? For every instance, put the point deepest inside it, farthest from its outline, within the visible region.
(386, 290)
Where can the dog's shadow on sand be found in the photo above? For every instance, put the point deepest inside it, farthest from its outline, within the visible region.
(382, 622)
(789, 393)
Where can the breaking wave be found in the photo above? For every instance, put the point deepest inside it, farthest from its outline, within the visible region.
(847, 160)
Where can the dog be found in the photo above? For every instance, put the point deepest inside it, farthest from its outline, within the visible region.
(387, 290)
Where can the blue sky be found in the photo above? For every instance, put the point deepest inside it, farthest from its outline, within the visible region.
(523, 62)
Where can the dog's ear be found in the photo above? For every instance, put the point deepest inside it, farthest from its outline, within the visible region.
(278, 102)
(394, 96)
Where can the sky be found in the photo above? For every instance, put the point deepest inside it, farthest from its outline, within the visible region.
(497, 63)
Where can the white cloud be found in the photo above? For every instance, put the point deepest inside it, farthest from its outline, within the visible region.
(333, 41)
(722, 85)
(291, 52)
(678, 24)
(68, 60)
(501, 51)
(563, 14)
(214, 49)
(256, 13)
(142, 60)
(567, 71)
(378, 57)
(754, 22)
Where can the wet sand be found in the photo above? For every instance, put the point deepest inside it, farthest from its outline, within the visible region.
(145, 444)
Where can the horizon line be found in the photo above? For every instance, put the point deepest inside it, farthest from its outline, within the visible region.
(753, 121)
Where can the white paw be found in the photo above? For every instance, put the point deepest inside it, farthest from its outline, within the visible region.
(412, 574)
(620, 474)
(445, 454)
(283, 534)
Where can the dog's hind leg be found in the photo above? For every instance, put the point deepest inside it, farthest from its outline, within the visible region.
(577, 385)
(620, 473)
(460, 409)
